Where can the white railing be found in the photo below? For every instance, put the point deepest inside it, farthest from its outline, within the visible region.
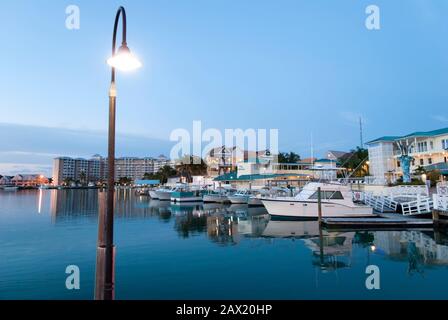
(376, 202)
(440, 201)
(416, 204)
(442, 188)
(422, 205)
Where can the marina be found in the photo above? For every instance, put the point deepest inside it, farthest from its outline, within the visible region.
(165, 249)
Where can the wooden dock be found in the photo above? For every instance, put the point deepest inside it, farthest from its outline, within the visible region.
(379, 222)
(440, 218)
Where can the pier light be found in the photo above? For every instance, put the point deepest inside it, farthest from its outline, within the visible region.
(124, 60)
(121, 60)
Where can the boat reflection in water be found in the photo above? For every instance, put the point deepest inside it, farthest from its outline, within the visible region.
(229, 225)
(330, 250)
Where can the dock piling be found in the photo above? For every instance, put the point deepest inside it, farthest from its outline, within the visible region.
(319, 205)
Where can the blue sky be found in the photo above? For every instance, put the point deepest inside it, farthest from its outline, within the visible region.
(300, 66)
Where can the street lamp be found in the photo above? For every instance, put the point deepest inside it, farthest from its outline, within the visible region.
(122, 60)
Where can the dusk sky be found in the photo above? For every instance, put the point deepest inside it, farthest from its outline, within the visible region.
(303, 67)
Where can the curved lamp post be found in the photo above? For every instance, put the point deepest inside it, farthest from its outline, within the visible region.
(122, 60)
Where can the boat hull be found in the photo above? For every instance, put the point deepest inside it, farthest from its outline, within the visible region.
(164, 195)
(153, 195)
(10, 189)
(309, 209)
(213, 198)
(239, 199)
(189, 196)
(255, 202)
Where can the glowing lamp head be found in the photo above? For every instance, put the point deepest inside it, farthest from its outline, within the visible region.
(124, 60)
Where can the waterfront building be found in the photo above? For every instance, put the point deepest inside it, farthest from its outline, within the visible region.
(29, 180)
(224, 160)
(6, 180)
(260, 172)
(428, 150)
(95, 169)
(79, 169)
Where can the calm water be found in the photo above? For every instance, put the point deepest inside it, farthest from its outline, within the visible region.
(194, 252)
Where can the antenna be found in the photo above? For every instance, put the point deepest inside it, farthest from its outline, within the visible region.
(312, 149)
(360, 133)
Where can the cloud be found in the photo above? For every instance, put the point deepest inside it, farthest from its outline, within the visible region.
(12, 169)
(33, 148)
(440, 118)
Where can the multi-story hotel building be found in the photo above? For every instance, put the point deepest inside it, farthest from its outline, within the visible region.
(95, 169)
(427, 149)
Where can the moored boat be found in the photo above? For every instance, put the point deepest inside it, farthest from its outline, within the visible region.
(336, 200)
(266, 192)
(185, 194)
(164, 194)
(219, 196)
(241, 196)
(10, 188)
(153, 194)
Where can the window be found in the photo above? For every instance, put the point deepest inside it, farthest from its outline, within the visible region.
(398, 164)
(429, 161)
(421, 162)
(329, 195)
(445, 144)
(422, 146)
(431, 145)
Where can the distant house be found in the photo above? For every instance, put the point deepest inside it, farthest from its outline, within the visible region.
(29, 180)
(6, 180)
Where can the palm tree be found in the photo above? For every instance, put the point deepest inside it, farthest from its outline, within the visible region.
(165, 173)
(291, 157)
(148, 176)
(124, 181)
(190, 166)
(67, 181)
(82, 177)
(356, 162)
(419, 170)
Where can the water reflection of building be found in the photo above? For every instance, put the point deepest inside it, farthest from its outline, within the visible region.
(73, 204)
(418, 248)
(223, 230)
(189, 225)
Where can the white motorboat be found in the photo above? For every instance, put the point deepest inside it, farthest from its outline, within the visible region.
(337, 201)
(187, 194)
(164, 194)
(241, 196)
(153, 194)
(10, 189)
(219, 196)
(255, 199)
